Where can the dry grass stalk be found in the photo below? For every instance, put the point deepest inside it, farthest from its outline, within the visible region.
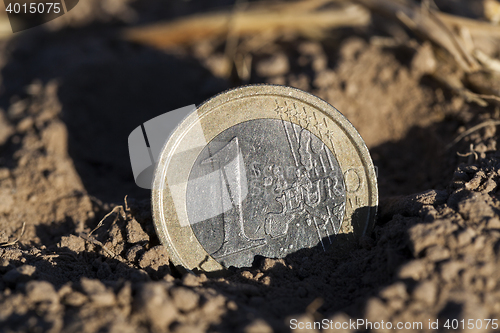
(425, 22)
(454, 83)
(475, 27)
(301, 17)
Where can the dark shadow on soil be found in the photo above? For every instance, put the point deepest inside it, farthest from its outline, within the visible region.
(341, 279)
(107, 87)
(419, 161)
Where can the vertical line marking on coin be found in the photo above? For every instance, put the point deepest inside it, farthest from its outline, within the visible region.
(319, 234)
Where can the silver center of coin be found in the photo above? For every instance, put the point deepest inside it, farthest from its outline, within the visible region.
(264, 187)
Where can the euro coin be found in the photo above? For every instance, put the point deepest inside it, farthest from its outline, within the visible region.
(261, 170)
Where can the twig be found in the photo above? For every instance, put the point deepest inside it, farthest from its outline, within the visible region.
(429, 24)
(117, 210)
(491, 64)
(261, 18)
(490, 97)
(469, 154)
(232, 36)
(475, 27)
(127, 208)
(17, 239)
(470, 131)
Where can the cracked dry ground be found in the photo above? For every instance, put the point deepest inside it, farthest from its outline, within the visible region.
(433, 254)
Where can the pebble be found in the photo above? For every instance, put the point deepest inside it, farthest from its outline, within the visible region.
(191, 280)
(73, 243)
(154, 258)
(40, 291)
(437, 253)
(425, 292)
(153, 304)
(415, 269)
(185, 299)
(75, 299)
(450, 269)
(97, 292)
(135, 233)
(275, 65)
(424, 61)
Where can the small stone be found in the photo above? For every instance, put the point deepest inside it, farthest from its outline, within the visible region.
(124, 295)
(258, 326)
(450, 269)
(6, 202)
(310, 48)
(415, 269)
(25, 124)
(75, 299)
(465, 237)
(437, 253)
(155, 262)
(135, 233)
(325, 78)
(476, 207)
(425, 292)
(493, 223)
(352, 47)
(184, 299)
(214, 306)
(169, 278)
(134, 252)
(191, 280)
(4, 173)
(97, 292)
(275, 65)
(231, 305)
(6, 129)
(152, 304)
(40, 291)
(424, 61)
(155, 257)
(268, 264)
(247, 275)
(73, 243)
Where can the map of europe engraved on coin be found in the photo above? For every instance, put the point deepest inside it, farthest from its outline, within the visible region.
(264, 187)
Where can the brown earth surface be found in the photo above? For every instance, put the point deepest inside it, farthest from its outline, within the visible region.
(70, 95)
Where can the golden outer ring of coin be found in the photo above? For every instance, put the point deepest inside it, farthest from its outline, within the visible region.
(231, 108)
